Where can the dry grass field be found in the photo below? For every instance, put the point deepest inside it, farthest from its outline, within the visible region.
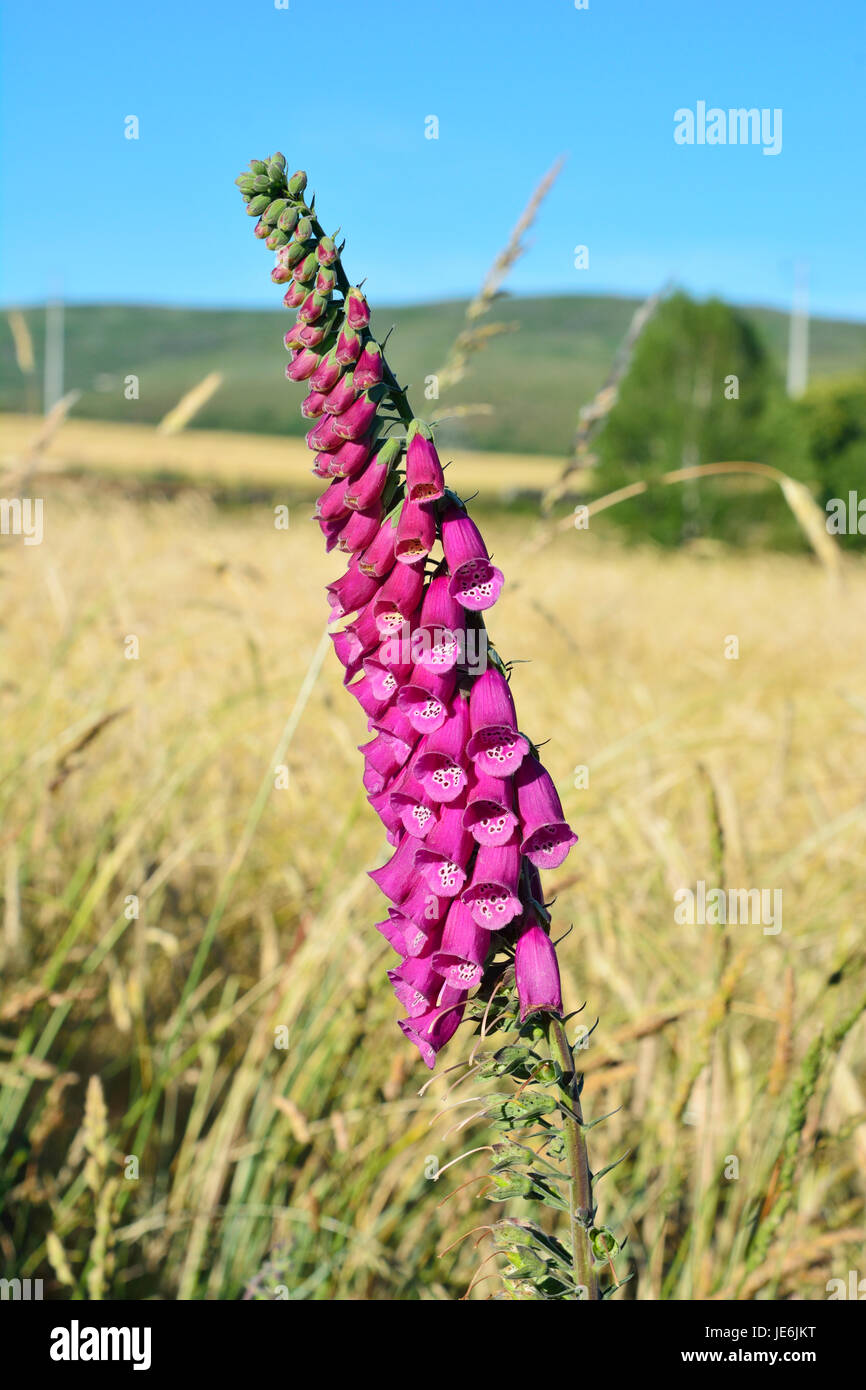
(203, 1091)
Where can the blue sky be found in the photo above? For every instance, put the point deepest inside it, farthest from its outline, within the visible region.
(343, 88)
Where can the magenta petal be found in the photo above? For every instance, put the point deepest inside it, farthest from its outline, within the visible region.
(416, 985)
(490, 702)
(340, 396)
(488, 816)
(425, 481)
(431, 1031)
(416, 532)
(464, 949)
(352, 591)
(369, 369)
(398, 598)
(355, 421)
(350, 457)
(446, 852)
(537, 973)
(477, 585)
(397, 877)
(547, 837)
(359, 529)
(327, 374)
(493, 893)
(424, 699)
(440, 765)
(412, 806)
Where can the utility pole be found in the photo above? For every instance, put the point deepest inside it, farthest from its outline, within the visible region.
(53, 354)
(798, 333)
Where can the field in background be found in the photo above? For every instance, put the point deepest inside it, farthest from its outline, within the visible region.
(235, 464)
(167, 909)
(535, 379)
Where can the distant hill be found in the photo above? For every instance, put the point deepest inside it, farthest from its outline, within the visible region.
(536, 378)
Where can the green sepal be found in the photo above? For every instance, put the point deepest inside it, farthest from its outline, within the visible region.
(288, 220)
(257, 206)
(273, 210)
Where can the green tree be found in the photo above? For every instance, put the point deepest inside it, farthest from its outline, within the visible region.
(701, 389)
(833, 414)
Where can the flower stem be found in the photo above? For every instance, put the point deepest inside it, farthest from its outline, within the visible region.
(580, 1186)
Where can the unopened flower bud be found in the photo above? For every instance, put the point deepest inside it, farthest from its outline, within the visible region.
(348, 346)
(288, 220)
(304, 229)
(306, 269)
(258, 166)
(273, 210)
(327, 250)
(297, 184)
(357, 309)
(368, 372)
(257, 206)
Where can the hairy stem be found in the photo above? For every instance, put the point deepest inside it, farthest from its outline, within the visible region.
(580, 1186)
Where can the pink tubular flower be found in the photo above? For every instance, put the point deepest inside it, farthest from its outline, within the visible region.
(440, 629)
(369, 369)
(355, 421)
(368, 485)
(424, 699)
(416, 984)
(312, 405)
(379, 558)
(412, 805)
(492, 895)
(327, 374)
(398, 598)
(416, 533)
(438, 765)
(303, 364)
(464, 949)
(352, 591)
(324, 438)
(349, 458)
(332, 502)
(396, 878)
(488, 816)
(359, 530)
(340, 396)
(496, 748)
(425, 481)
(537, 973)
(475, 582)
(348, 347)
(433, 1030)
(547, 836)
(445, 854)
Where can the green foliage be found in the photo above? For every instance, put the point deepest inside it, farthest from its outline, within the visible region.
(701, 389)
(833, 416)
(535, 378)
